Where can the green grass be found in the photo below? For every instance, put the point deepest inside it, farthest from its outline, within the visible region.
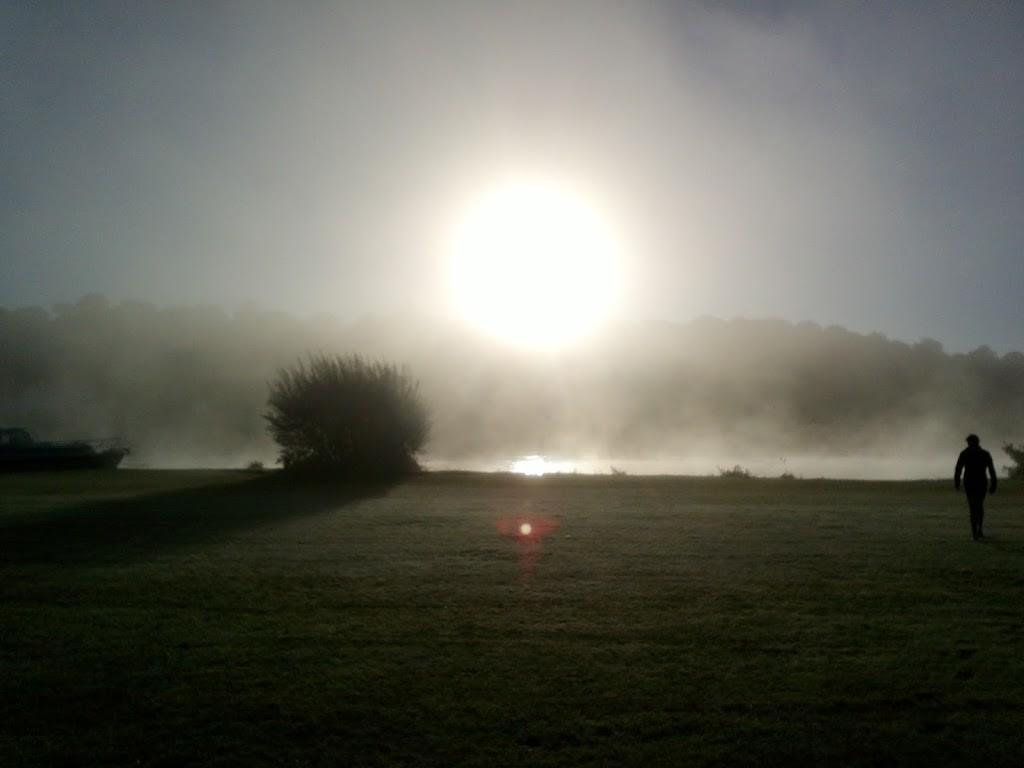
(198, 618)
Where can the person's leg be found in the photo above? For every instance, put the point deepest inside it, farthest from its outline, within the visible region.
(974, 503)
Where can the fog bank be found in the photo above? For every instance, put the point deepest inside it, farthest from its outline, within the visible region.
(186, 386)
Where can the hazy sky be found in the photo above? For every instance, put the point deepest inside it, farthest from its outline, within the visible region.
(858, 164)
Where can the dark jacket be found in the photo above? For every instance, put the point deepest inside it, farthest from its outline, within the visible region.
(973, 463)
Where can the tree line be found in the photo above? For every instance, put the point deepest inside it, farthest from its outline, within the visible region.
(189, 385)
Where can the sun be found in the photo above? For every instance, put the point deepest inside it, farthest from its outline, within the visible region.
(534, 264)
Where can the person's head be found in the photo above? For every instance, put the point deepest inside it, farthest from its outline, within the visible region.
(973, 440)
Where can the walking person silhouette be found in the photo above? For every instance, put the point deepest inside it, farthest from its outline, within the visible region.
(973, 462)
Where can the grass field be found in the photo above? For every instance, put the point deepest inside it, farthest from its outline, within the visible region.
(204, 618)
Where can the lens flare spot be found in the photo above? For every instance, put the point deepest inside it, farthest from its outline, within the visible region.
(526, 529)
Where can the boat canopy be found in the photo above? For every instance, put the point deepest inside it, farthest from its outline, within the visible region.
(15, 438)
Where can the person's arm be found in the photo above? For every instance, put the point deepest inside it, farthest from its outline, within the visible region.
(992, 474)
(959, 470)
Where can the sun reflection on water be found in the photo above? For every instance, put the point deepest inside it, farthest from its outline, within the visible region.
(536, 466)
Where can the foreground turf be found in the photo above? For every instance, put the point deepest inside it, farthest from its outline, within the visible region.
(174, 618)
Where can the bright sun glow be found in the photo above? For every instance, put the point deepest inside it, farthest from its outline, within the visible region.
(526, 529)
(535, 265)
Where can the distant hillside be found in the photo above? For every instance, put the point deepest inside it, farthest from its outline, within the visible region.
(189, 384)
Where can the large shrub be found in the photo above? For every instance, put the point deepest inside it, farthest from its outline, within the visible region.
(348, 417)
(1016, 454)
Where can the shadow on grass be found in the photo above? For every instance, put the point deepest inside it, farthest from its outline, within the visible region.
(127, 530)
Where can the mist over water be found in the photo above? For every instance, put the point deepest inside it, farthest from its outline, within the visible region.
(800, 467)
(187, 386)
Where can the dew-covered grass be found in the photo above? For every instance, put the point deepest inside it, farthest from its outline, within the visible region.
(204, 618)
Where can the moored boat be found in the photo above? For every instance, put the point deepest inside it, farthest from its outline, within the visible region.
(19, 452)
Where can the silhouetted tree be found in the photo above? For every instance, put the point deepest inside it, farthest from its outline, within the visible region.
(348, 417)
(1017, 456)
(736, 472)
